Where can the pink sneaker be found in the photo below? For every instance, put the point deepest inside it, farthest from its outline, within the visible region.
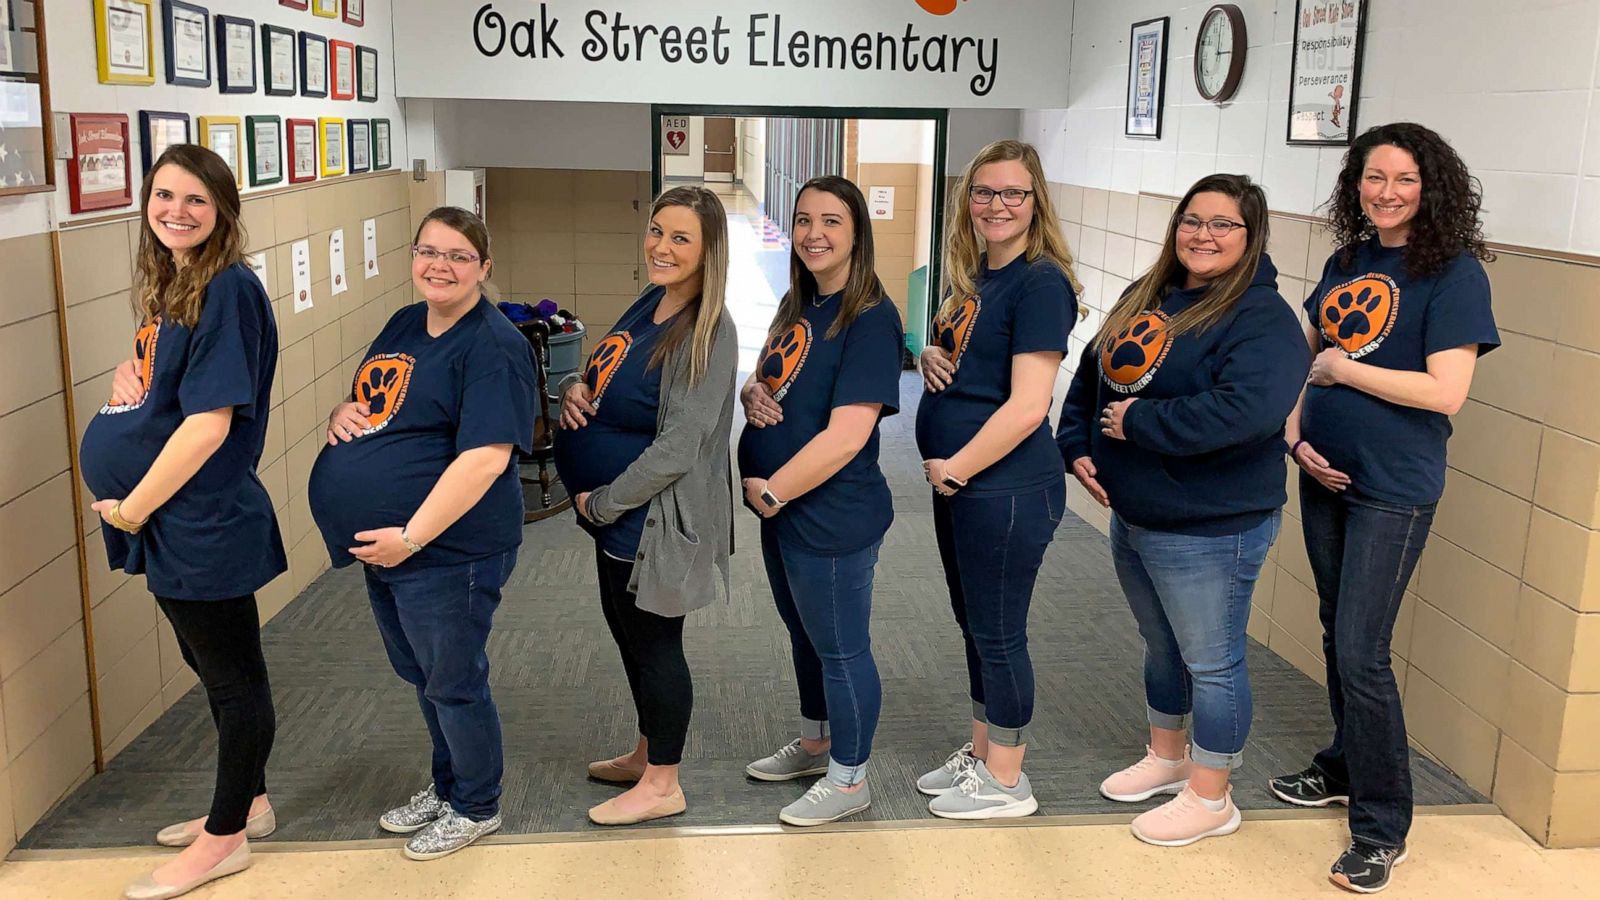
(1185, 819)
(1146, 778)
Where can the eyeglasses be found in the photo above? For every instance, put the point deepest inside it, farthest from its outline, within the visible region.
(1218, 227)
(454, 257)
(1012, 197)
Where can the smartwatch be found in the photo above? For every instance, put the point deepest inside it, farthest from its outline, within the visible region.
(954, 483)
(771, 499)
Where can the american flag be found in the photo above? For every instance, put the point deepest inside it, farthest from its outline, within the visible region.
(22, 159)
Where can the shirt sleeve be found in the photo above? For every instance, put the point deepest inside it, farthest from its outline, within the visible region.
(1046, 309)
(869, 369)
(497, 398)
(1077, 410)
(1459, 314)
(226, 363)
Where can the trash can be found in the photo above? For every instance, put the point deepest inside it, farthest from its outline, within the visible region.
(566, 357)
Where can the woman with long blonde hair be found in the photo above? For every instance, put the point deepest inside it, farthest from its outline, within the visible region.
(999, 488)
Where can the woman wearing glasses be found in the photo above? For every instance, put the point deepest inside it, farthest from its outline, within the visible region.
(417, 484)
(1174, 420)
(999, 489)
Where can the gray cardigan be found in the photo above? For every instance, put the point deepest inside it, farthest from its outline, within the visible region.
(687, 478)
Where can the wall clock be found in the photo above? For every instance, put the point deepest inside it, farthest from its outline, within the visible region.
(1219, 51)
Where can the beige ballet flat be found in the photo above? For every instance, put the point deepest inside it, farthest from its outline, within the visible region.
(147, 888)
(255, 828)
(608, 770)
(607, 814)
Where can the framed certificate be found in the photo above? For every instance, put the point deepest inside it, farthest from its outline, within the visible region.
(328, 9)
(343, 70)
(158, 131)
(263, 138)
(302, 149)
(366, 74)
(313, 65)
(124, 44)
(223, 136)
(236, 55)
(277, 61)
(330, 146)
(358, 132)
(1147, 78)
(355, 12)
(97, 169)
(187, 29)
(380, 145)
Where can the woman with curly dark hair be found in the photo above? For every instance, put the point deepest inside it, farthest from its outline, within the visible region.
(1397, 324)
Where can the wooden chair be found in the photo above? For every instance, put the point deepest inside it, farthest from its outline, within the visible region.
(551, 497)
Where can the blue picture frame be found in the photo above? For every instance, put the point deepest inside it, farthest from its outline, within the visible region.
(308, 84)
(351, 127)
(225, 84)
(151, 124)
(170, 10)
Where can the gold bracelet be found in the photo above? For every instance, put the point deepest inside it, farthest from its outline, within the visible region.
(121, 522)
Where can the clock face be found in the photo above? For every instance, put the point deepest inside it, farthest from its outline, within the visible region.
(1214, 55)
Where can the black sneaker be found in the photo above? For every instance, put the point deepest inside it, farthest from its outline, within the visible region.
(1365, 868)
(1309, 788)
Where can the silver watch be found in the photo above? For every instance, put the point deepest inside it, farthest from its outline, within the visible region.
(405, 538)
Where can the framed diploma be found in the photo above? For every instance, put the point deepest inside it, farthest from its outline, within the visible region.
(380, 145)
(124, 44)
(313, 65)
(277, 61)
(224, 136)
(355, 12)
(236, 55)
(330, 146)
(302, 149)
(97, 169)
(366, 74)
(328, 9)
(343, 70)
(295, 4)
(1147, 78)
(187, 29)
(263, 139)
(358, 133)
(158, 131)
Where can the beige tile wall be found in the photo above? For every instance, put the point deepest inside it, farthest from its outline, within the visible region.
(1497, 649)
(894, 240)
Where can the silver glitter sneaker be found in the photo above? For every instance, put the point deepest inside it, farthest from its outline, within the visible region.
(790, 762)
(447, 834)
(421, 810)
(945, 777)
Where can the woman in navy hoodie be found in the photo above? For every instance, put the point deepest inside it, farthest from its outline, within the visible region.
(1174, 421)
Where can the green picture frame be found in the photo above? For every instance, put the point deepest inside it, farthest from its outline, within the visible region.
(264, 141)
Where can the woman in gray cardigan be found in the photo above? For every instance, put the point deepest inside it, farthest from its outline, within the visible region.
(644, 451)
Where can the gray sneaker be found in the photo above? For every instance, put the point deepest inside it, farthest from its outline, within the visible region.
(790, 762)
(977, 795)
(825, 803)
(420, 811)
(944, 778)
(447, 834)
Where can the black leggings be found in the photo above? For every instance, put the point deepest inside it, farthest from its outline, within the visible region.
(221, 642)
(652, 657)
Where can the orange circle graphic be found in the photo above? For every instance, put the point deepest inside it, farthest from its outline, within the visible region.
(1129, 360)
(1357, 315)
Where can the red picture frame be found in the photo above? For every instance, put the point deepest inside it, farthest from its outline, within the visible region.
(300, 169)
(357, 18)
(100, 147)
(336, 50)
(295, 4)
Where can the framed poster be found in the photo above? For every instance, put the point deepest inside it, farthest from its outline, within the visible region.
(366, 74)
(328, 9)
(330, 146)
(263, 139)
(1147, 78)
(355, 12)
(236, 55)
(97, 169)
(187, 30)
(313, 65)
(342, 71)
(380, 145)
(302, 149)
(124, 44)
(158, 131)
(224, 136)
(358, 133)
(28, 165)
(1325, 71)
(277, 61)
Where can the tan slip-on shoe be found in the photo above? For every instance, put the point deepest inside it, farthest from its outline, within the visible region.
(607, 814)
(255, 828)
(147, 888)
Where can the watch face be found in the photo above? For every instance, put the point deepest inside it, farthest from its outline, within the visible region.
(1215, 52)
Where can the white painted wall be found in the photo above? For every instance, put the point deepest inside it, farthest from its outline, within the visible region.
(1514, 87)
(968, 130)
(692, 165)
(753, 150)
(533, 134)
(894, 141)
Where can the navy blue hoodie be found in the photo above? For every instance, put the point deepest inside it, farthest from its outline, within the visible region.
(1204, 453)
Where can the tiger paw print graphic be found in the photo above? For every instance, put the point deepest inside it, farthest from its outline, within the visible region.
(382, 383)
(604, 362)
(954, 332)
(144, 360)
(784, 357)
(1356, 316)
(1130, 359)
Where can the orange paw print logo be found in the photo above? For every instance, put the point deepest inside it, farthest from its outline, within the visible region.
(954, 332)
(604, 362)
(1357, 315)
(938, 7)
(1130, 359)
(785, 354)
(381, 383)
(144, 356)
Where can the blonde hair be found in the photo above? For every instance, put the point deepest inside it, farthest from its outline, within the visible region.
(962, 255)
(700, 330)
(163, 289)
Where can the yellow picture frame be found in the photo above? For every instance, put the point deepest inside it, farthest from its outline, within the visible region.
(328, 9)
(327, 125)
(231, 150)
(119, 48)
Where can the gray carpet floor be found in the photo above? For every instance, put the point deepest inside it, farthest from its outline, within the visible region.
(351, 743)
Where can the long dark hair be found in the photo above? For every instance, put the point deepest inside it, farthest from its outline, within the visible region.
(163, 289)
(861, 292)
(1449, 218)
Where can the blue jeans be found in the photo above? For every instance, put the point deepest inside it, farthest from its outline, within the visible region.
(1191, 597)
(435, 624)
(826, 602)
(992, 547)
(1362, 555)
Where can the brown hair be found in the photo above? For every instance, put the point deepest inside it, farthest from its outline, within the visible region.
(161, 287)
(698, 331)
(862, 291)
(467, 224)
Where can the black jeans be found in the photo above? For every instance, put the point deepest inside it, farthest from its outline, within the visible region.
(652, 657)
(221, 642)
(1362, 555)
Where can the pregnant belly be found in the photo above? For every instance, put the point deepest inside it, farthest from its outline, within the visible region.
(595, 455)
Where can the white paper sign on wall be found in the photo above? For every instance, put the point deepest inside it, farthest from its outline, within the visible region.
(336, 260)
(369, 245)
(300, 259)
(880, 202)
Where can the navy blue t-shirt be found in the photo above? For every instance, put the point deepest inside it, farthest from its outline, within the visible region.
(811, 375)
(1383, 317)
(431, 399)
(626, 392)
(217, 538)
(1023, 307)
